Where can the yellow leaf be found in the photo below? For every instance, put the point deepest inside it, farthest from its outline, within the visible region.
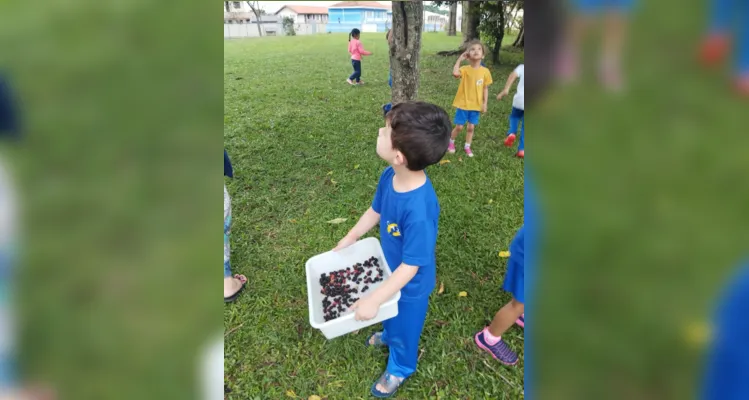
(314, 397)
(697, 334)
(504, 254)
(443, 162)
(463, 294)
(356, 166)
(291, 393)
(330, 172)
(293, 221)
(442, 288)
(333, 182)
(460, 159)
(491, 201)
(337, 221)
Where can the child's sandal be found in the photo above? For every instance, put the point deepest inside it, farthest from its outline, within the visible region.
(391, 383)
(375, 340)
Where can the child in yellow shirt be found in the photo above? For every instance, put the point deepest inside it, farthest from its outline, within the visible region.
(472, 95)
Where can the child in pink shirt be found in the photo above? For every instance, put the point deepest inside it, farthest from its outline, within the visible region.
(356, 50)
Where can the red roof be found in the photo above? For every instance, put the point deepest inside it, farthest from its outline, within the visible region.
(370, 4)
(306, 9)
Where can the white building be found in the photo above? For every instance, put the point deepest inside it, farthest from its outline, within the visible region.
(304, 14)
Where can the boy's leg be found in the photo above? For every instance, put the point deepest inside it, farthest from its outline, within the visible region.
(515, 117)
(742, 51)
(402, 335)
(521, 145)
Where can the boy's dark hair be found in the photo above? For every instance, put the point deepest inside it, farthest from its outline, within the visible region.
(484, 49)
(354, 32)
(421, 131)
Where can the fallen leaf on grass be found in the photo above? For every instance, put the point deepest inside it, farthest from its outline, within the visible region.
(491, 201)
(293, 221)
(330, 172)
(333, 182)
(442, 288)
(440, 323)
(356, 332)
(460, 159)
(337, 220)
(291, 393)
(504, 254)
(356, 166)
(463, 294)
(314, 397)
(443, 162)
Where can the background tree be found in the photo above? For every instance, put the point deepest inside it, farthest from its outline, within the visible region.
(453, 19)
(255, 7)
(408, 21)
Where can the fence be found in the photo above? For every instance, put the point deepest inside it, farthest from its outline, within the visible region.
(243, 29)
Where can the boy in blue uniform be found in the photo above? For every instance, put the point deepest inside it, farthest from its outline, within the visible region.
(415, 136)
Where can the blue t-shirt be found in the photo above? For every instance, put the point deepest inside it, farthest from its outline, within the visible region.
(408, 231)
(727, 375)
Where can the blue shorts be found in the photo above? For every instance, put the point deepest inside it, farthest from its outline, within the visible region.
(461, 116)
(515, 277)
(598, 6)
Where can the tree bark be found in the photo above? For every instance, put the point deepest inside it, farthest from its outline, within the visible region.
(463, 19)
(452, 25)
(520, 40)
(472, 20)
(408, 21)
(226, 6)
(256, 10)
(500, 34)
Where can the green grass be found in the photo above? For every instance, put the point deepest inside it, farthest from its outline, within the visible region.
(303, 146)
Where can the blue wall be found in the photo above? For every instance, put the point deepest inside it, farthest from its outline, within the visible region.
(351, 18)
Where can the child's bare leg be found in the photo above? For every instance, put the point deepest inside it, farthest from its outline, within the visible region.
(506, 317)
(469, 134)
(456, 131)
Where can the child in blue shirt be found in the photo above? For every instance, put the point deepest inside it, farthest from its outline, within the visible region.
(415, 136)
(490, 338)
(727, 374)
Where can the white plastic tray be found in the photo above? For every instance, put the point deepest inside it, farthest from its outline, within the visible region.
(333, 261)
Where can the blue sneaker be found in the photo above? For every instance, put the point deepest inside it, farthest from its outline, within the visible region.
(500, 350)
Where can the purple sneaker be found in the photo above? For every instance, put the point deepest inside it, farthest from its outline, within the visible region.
(500, 350)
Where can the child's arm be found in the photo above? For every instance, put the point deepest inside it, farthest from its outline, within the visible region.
(456, 68)
(365, 224)
(508, 85)
(362, 51)
(368, 307)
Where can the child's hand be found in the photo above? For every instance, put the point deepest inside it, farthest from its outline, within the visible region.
(366, 309)
(463, 56)
(347, 241)
(502, 94)
(483, 109)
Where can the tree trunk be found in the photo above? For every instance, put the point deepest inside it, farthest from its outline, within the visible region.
(463, 19)
(408, 21)
(500, 33)
(520, 40)
(452, 25)
(226, 6)
(256, 10)
(473, 18)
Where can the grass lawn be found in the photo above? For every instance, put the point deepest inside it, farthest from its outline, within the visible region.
(302, 143)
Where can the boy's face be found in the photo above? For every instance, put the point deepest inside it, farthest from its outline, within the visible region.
(476, 52)
(385, 146)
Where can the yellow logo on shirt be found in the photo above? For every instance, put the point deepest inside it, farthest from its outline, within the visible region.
(393, 229)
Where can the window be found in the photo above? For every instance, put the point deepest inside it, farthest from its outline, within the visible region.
(237, 4)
